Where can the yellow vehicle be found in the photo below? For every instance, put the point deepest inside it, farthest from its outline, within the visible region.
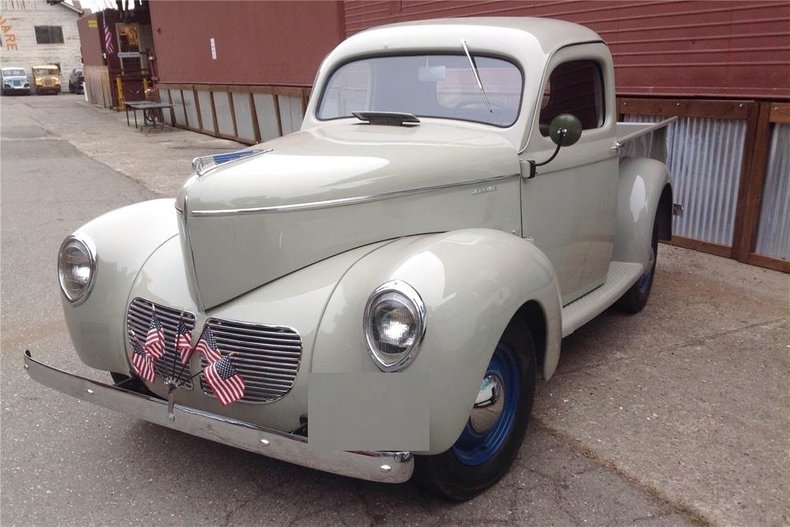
(46, 79)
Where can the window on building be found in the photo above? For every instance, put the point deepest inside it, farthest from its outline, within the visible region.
(575, 87)
(49, 34)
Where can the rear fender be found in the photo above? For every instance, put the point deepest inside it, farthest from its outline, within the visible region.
(645, 193)
(472, 282)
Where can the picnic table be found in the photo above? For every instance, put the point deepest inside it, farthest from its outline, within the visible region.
(152, 112)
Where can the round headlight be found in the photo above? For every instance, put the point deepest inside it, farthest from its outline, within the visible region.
(394, 325)
(76, 267)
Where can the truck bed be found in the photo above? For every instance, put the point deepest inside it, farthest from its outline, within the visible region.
(643, 139)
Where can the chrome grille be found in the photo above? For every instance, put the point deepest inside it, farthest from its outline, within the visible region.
(138, 319)
(267, 357)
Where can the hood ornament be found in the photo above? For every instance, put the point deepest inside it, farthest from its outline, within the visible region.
(205, 164)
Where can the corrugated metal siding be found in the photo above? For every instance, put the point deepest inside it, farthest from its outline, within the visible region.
(716, 48)
(773, 237)
(704, 157)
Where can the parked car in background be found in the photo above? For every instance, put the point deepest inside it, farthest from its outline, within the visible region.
(15, 81)
(46, 79)
(76, 81)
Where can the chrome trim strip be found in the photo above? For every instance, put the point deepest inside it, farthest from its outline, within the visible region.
(192, 269)
(386, 467)
(345, 201)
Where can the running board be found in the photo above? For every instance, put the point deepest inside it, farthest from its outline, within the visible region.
(620, 277)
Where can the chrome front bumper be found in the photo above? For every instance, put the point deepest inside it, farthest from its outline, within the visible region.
(386, 467)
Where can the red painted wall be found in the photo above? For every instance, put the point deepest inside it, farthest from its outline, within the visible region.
(676, 48)
(280, 43)
(90, 43)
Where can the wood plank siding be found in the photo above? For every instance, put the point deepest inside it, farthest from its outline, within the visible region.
(666, 48)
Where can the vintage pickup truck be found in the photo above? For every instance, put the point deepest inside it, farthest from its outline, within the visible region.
(375, 294)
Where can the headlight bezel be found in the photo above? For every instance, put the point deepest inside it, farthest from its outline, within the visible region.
(89, 249)
(412, 300)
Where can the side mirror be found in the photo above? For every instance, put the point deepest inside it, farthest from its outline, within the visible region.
(564, 130)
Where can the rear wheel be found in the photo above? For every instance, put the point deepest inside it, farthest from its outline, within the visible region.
(489, 443)
(635, 298)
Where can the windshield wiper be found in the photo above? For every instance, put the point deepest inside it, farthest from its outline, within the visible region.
(477, 77)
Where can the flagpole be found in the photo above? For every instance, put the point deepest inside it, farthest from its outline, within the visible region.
(229, 355)
(175, 343)
(191, 352)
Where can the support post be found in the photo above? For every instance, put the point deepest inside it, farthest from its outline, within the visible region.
(119, 86)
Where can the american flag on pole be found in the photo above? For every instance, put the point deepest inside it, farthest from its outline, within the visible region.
(142, 363)
(225, 382)
(207, 345)
(184, 342)
(155, 339)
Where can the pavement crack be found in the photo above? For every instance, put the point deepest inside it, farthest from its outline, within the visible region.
(698, 341)
(683, 509)
(229, 515)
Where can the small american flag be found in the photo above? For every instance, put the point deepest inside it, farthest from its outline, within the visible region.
(207, 345)
(225, 382)
(155, 339)
(141, 361)
(184, 343)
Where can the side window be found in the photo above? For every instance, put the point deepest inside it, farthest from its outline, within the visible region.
(575, 87)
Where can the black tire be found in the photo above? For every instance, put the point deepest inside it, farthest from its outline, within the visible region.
(445, 474)
(636, 297)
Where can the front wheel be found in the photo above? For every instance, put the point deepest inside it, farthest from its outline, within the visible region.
(489, 443)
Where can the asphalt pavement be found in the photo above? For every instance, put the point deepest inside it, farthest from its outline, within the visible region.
(678, 415)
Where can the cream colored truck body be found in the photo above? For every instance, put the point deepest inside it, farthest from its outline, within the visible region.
(298, 235)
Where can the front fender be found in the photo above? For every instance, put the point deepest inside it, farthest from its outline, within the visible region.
(641, 186)
(124, 239)
(472, 282)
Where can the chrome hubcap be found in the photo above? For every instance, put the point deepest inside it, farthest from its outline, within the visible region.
(488, 405)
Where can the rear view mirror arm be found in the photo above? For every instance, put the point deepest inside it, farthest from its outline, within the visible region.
(533, 165)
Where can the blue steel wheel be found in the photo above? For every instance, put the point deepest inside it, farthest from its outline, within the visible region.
(636, 297)
(490, 441)
(494, 411)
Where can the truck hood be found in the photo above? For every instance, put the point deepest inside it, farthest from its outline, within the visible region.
(320, 192)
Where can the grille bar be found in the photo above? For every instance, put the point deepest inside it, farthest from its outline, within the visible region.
(138, 319)
(268, 357)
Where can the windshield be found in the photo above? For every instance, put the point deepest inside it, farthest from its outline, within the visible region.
(442, 86)
(45, 71)
(14, 73)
